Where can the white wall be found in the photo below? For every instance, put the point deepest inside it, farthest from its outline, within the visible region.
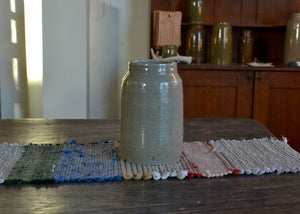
(34, 56)
(65, 40)
(119, 32)
(13, 79)
(87, 44)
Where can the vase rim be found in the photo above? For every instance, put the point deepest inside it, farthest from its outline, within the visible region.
(152, 66)
(153, 62)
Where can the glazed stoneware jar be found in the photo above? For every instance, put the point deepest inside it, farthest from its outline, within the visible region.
(196, 43)
(196, 11)
(151, 127)
(292, 39)
(221, 44)
(246, 47)
(169, 50)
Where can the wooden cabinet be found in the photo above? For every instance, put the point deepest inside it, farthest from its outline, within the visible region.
(271, 97)
(276, 104)
(266, 19)
(230, 14)
(276, 12)
(217, 94)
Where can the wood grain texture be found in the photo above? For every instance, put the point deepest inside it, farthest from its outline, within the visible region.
(228, 11)
(248, 12)
(174, 5)
(276, 11)
(276, 104)
(231, 194)
(43, 131)
(242, 194)
(216, 94)
(167, 28)
(269, 95)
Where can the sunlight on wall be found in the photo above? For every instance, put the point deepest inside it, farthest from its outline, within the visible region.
(34, 55)
(13, 6)
(15, 72)
(13, 27)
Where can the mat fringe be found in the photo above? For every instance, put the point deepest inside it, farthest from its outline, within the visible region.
(198, 159)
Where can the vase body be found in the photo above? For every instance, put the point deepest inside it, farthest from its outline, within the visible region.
(292, 39)
(196, 43)
(196, 11)
(221, 44)
(246, 47)
(151, 127)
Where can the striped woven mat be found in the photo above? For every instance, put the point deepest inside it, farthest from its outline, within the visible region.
(98, 161)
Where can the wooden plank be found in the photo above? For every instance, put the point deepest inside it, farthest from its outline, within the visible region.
(167, 26)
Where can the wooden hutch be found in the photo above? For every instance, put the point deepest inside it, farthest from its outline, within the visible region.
(269, 95)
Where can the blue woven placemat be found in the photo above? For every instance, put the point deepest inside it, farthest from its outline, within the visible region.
(67, 162)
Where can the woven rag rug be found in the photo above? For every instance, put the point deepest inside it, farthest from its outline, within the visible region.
(98, 161)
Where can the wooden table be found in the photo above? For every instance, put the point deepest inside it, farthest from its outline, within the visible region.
(230, 194)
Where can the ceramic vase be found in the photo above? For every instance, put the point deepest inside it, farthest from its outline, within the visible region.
(292, 39)
(151, 127)
(196, 11)
(246, 47)
(221, 44)
(196, 43)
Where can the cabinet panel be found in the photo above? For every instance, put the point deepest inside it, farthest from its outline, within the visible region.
(276, 11)
(216, 94)
(277, 104)
(228, 10)
(248, 14)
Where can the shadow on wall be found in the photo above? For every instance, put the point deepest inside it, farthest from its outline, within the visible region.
(104, 59)
(13, 76)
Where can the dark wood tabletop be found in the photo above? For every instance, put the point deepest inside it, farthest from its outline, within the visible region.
(230, 194)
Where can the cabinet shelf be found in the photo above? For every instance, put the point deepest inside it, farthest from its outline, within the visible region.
(242, 25)
(270, 95)
(235, 67)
